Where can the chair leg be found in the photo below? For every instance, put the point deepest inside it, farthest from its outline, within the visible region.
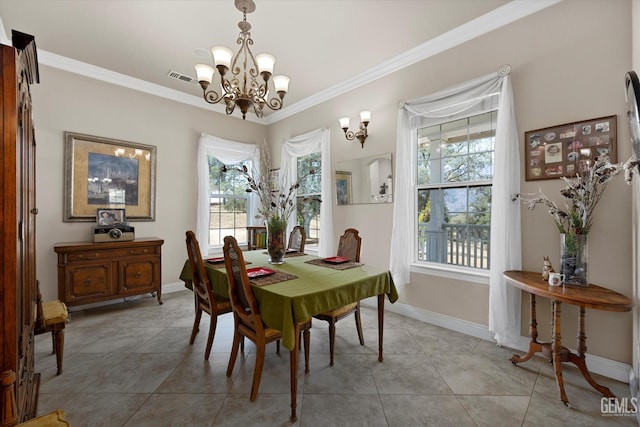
(278, 347)
(234, 352)
(257, 371)
(59, 348)
(212, 333)
(359, 324)
(196, 326)
(332, 340)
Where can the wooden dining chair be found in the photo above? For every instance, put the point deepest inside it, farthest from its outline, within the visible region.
(348, 247)
(246, 315)
(205, 299)
(297, 239)
(51, 316)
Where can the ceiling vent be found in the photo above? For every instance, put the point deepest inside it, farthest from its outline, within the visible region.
(179, 76)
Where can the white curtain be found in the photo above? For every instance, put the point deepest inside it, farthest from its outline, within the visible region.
(470, 98)
(303, 145)
(227, 152)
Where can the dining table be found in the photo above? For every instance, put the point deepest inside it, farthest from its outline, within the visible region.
(309, 285)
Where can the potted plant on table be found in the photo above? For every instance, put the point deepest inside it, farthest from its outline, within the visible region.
(574, 222)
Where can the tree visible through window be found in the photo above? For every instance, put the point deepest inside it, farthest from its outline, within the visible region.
(308, 212)
(454, 175)
(229, 203)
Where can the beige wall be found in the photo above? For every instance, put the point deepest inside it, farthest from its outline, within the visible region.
(562, 71)
(67, 102)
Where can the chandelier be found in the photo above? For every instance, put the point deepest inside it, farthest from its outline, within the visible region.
(242, 87)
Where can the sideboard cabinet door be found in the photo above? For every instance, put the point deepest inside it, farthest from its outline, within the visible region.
(139, 275)
(91, 281)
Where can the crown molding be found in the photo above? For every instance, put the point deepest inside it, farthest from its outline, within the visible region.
(504, 15)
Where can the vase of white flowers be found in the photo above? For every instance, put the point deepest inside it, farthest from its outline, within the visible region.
(581, 196)
(276, 201)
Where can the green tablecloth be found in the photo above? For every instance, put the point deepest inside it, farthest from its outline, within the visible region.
(317, 289)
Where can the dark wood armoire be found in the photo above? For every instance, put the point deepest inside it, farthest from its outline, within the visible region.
(18, 231)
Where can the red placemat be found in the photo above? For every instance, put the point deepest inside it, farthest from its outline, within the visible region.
(278, 276)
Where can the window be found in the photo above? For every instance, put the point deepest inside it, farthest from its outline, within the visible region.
(455, 164)
(308, 211)
(229, 203)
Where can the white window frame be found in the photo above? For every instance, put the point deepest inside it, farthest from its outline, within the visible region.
(294, 165)
(317, 140)
(227, 152)
(472, 274)
(245, 196)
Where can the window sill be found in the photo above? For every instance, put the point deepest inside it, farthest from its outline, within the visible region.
(449, 272)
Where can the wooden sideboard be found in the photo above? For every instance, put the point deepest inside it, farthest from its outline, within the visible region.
(94, 272)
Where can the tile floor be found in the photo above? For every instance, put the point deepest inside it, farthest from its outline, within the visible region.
(130, 364)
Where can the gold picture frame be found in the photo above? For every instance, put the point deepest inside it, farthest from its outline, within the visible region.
(105, 173)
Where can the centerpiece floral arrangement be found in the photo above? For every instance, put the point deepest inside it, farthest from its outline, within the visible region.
(574, 222)
(276, 201)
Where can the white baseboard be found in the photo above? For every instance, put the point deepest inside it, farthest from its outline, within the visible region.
(600, 365)
(168, 288)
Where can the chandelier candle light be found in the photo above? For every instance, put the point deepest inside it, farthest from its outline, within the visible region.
(242, 88)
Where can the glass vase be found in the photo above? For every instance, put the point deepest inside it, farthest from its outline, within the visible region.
(276, 240)
(574, 251)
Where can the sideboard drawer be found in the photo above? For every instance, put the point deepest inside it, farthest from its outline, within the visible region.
(109, 254)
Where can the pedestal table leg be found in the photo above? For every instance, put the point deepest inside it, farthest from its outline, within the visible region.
(534, 345)
(579, 359)
(557, 350)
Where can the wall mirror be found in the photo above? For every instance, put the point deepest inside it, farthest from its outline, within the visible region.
(364, 180)
(632, 85)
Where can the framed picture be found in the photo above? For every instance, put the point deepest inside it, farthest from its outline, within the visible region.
(343, 187)
(110, 217)
(108, 174)
(561, 150)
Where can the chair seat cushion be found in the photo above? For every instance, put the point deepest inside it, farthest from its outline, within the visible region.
(271, 333)
(54, 312)
(223, 304)
(339, 311)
